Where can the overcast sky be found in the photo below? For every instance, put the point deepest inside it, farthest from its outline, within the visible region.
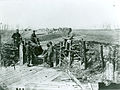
(60, 13)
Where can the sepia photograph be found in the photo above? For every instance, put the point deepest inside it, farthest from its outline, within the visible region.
(59, 44)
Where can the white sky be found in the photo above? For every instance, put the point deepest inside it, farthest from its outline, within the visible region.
(60, 13)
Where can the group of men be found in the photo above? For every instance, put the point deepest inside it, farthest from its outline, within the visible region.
(28, 47)
(32, 48)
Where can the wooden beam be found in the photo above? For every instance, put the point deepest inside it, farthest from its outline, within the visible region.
(90, 86)
(60, 60)
(69, 54)
(53, 77)
(102, 58)
(21, 54)
(0, 47)
(75, 80)
(84, 54)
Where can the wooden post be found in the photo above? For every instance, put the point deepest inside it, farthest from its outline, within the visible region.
(54, 57)
(114, 57)
(69, 54)
(80, 46)
(116, 76)
(102, 58)
(21, 54)
(66, 45)
(85, 59)
(0, 47)
(0, 41)
(60, 55)
(82, 87)
(109, 71)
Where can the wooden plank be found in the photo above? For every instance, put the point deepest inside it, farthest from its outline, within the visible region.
(90, 86)
(60, 60)
(75, 80)
(69, 54)
(102, 58)
(54, 76)
(0, 47)
(21, 54)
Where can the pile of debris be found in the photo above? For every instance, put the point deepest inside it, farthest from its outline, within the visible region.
(92, 74)
(9, 54)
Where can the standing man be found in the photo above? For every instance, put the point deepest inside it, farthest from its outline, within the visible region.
(51, 54)
(45, 53)
(29, 53)
(17, 38)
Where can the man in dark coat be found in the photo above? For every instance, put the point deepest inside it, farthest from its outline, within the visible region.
(17, 38)
(48, 55)
(34, 38)
(51, 54)
(45, 53)
(29, 53)
(36, 44)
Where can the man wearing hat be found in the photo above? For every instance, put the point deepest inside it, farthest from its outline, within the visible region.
(34, 37)
(17, 38)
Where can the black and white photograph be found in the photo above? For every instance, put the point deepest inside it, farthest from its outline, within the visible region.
(59, 44)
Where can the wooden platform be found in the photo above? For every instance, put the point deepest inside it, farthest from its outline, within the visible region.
(36, 77)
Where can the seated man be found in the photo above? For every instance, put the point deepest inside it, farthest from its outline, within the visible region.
(36, 44)
(34, 38)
